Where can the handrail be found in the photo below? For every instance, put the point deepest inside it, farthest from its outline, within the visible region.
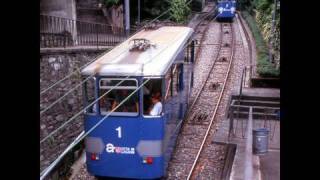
(242, 80)
(248, 172)
(239, 98)
(249, 46)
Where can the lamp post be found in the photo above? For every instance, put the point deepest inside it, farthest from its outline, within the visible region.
(138, 11)
(127, 16)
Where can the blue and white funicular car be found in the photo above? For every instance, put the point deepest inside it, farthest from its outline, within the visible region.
(131, 143)
(226, 10)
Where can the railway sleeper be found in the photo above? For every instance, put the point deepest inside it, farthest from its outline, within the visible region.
(222, 59)
(199, 117)
(214, 86)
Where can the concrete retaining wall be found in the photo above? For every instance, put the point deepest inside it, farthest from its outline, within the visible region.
(54, 67)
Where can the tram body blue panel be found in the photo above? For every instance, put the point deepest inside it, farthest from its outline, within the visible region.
(226, 14)
(125, 165)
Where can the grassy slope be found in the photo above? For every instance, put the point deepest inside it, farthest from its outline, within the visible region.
(264, 67)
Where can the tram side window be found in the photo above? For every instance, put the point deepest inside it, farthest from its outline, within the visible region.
(172, 82)
(114, 94)
(89, 89)
(152, 98)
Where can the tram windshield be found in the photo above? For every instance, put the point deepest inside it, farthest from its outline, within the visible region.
(119, 97)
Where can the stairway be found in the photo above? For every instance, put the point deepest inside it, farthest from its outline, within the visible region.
(89, 11)
(262, 107)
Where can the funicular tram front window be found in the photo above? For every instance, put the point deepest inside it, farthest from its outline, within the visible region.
(116, 97)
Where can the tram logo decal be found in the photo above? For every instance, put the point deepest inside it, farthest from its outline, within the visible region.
(110, 148)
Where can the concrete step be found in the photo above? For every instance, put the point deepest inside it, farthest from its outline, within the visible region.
(258, 98)
(246, 102)
(260, 109)
(86, 3)
(91, 15)
(89, 12)
(255, 115)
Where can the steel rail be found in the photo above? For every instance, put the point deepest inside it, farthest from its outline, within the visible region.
(216, 107)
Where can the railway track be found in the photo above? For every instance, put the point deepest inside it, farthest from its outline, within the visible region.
(192, 155)
(201, 27)
(203, 165)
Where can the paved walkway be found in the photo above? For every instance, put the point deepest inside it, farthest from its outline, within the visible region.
(262, 92)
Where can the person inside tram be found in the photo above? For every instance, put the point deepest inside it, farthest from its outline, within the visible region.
(157, 105)
(131, 104)
(106, 101)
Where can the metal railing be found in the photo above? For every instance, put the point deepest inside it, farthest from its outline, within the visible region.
(271, 124)
(63, 32)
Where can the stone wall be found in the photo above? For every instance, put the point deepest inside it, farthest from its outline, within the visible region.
(53, 67)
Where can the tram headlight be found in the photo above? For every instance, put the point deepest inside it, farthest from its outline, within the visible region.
(220, 9)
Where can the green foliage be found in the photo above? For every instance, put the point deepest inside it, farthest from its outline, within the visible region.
(179, 10)
(262, 10)
(152, 8)
(245, 5)
(196, 5)
(263, 5)
(264, 67)
(110, 3)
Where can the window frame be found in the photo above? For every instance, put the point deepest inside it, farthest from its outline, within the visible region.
(86, 97)
(119, 86)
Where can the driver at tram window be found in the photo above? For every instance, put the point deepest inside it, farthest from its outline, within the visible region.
(157, 105)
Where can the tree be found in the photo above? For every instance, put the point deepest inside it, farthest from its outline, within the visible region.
(113, 10)
(179, 10)
(110, 3)
(153, 8)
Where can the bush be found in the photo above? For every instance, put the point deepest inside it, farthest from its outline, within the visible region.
(264, 67)
(110, 3)
(179, 10)
(196, 5)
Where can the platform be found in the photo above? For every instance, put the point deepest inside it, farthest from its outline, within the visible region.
(266, 167)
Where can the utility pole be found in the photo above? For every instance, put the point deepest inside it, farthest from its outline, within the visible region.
(203, 3)
(272, 31)
(127, 16)
(138, 11)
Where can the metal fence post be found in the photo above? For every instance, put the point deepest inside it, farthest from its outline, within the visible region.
(230, 122)
(97, 36)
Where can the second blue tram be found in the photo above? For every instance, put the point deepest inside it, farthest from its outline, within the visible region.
(131, 143)
(226, 10)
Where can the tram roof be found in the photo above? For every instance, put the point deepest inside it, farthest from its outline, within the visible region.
(154, 61)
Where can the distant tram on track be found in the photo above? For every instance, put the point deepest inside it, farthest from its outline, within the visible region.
(151, 69)
(226, 10)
